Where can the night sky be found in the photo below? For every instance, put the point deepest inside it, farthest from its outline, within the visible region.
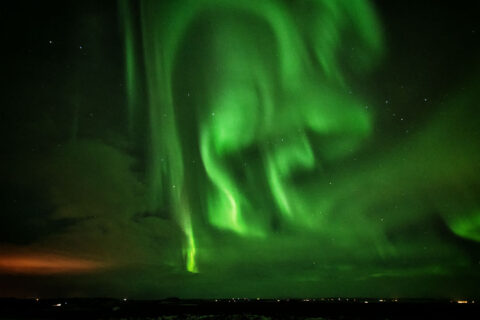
(215, 148)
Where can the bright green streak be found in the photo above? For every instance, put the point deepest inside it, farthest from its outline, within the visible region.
(271, 97)
(130, 54)
(191, 252)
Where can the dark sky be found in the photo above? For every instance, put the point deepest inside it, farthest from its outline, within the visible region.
(212, 149)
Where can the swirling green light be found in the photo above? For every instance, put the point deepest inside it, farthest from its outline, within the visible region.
(273, 83)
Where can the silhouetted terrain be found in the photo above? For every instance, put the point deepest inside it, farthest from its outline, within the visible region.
(327, 308)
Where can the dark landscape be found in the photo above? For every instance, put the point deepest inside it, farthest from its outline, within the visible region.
(174, 308)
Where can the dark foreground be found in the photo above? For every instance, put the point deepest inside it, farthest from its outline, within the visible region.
(327, 308)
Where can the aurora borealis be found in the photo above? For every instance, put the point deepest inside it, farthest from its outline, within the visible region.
(215, 148)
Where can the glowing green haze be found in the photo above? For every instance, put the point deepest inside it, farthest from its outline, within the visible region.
(240, 148)
(254, 132)
(272, 82)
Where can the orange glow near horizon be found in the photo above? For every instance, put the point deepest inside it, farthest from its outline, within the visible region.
(47, 264)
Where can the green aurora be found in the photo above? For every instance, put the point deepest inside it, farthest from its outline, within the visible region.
(253, 153)
(266, 93)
